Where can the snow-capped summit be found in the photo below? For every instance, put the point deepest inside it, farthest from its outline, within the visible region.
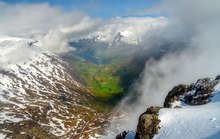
(124, 30)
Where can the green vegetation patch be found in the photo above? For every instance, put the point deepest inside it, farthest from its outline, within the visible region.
(102, 80)
(107, 72)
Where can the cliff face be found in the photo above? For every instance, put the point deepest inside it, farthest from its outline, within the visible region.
(198, 93)
(148, 124)
(178, 119)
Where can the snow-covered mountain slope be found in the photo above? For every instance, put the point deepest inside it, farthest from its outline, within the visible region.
(39, 86)
(197, 122)
(193, 122)
(189, 112)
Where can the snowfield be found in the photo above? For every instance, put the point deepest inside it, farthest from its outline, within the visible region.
(191, 122)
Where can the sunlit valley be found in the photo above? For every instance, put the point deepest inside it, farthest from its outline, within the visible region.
(94, 70)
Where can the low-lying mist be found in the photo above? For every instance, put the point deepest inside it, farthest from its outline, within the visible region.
(196, 24)
(180, 48)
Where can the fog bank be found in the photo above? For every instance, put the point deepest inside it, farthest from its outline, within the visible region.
(196, 23)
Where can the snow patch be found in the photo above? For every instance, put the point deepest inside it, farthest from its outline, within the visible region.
(191, 122)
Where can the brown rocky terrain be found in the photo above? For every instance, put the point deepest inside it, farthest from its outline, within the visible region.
(43, 98)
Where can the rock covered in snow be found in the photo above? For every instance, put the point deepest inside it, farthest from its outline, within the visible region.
(195, 94)
(178, 119)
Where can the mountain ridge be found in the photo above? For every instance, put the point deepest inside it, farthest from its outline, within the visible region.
(189, 111)
(46, 98)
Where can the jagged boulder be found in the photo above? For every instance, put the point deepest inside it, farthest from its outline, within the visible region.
(148, 124)
(174, 95)
(218, 77)
(198, 93)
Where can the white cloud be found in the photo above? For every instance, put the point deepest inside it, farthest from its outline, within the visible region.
(34, 18)
(132, 28)
(48, 24)
(15, 51)
(53, 27)
(54, 41)
(197, 23)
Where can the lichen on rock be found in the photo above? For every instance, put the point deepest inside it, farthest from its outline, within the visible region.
(148, 124)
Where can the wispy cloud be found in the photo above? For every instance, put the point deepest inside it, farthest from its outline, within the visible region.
(49, 24)
(197, 23)
(54, 28)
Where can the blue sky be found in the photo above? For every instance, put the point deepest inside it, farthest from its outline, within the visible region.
(97, 8)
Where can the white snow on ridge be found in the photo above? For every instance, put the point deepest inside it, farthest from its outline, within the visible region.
(30, 77)
(190, 122)
(130, 135)
(133, 29)
(217, 88)
(216, 93)
(38, 85)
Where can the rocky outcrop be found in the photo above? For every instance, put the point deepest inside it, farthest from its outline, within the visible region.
(198, 93)
(175, 94)
(195, 94)
(148, 124)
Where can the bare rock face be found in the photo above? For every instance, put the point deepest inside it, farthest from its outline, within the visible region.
(148, 124)
(174, 95)
(198, 93)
